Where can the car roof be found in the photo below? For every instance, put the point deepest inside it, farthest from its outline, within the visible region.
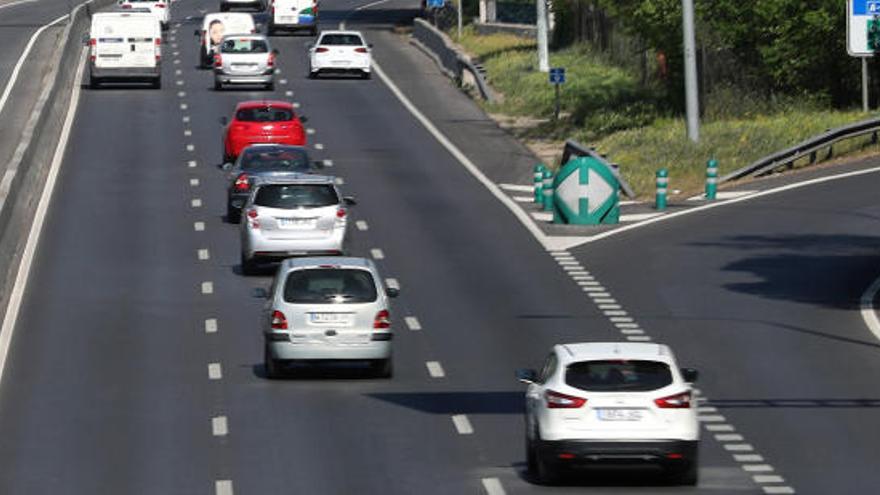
(275, 147)
(256, 36)
(337, 31)
(211, 16)
(282, 177)
(588, 351)
(327, 261)
(120, 12)
(264, 103)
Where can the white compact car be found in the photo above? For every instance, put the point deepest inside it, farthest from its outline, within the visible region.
(595, 404)
(340, 52)
(291, 214)
(328, 309)
(159, 8)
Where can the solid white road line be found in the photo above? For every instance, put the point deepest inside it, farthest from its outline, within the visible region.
(435, 369)
(33, 238)
(17, 2)
(207, 287)
(215, 371)
(219, 426)
(462, 424)
(493, 486)
(204, 254)
(211, 325)
(223, 487)
(377, 254)
(413, 323)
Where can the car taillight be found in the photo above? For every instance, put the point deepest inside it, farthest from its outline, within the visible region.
(126, 6)
(159, 5)
(271, 61)
(252, 219)
(158, 49)
(218, 60)
(321, 49)
(315, 9)
(361, 50)
(254, 31)
(556, 400)
(677, 401)
(93, 43)
(279, 321)
(340, 213)
(242, 184)
(383, 319)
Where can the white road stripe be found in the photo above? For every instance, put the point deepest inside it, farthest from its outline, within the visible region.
(523, 199)
(204, 254)
(207, 287)
(729, 437)
(626, 325)
(542, 216)
(215, 371)
(392, 283)
(707, 409)
(319, 146)
(328, 163)
(296, 104)
(748, 458)
(310, 131)
(768, 478)
(196, 203)
(187, 132)
(462, 424)
(412, 323)
(435, 369)
(589, 283)
(621, 319)
(211, 325)
(186, 118)
(191, 164)
(219, 426)
(757, 468)
(493, 486)
(738, 447)
(778, 489)
(609, 306)
(362, 225)
(638, 217)
(605, 300)
(199, 226)
(715, 418)
(638, 338)
(184, 106)
(340, 181)
(594, 289)
(223, 487)
(377, 254)
(571, 262)
(17, 2)
(632, 331)
(194, 182)
(181, 94)
(573, 268)
(283, 81)
(517, 187)
(288, 93)
(717, 427)
(190, 147)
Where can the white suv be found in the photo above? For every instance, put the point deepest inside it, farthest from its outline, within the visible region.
(611, 403)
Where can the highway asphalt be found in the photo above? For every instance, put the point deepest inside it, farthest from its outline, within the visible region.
(136, 363)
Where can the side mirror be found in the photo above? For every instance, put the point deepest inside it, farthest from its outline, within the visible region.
(392, 292)
(226, 166)
(349, 200)
(369, 45)
(527, 376)
(303, 119)
(197, 32)
(224, 121)
(690, 375)
(261, 293)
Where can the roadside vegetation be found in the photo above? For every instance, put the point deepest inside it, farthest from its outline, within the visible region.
(637, 120)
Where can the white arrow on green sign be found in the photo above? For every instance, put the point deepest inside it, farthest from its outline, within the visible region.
(585, 193)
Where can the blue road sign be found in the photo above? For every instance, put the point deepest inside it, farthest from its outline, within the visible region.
(557, 74)
(866, 7)
(436, 4)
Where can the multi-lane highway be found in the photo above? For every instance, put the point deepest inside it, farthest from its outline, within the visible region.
(136, 363)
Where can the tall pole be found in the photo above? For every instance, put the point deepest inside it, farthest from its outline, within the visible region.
(865, 84)
(543, 50)
(459, 18)
(690, 72)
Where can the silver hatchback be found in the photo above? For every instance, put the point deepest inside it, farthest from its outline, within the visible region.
(328, 309)
(245, 59)
(291, 214)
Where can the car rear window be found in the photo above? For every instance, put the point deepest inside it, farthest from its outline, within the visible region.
(264, 114)
(256, 160)
(289, 196)
(244, 45)
(330, 286)
(618, 375)
(342, 39)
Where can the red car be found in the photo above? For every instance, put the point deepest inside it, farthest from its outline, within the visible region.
(263, 121)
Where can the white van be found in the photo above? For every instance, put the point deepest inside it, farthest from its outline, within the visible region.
(292, 15)
(125, 46)
(217, 25)
(159, 8)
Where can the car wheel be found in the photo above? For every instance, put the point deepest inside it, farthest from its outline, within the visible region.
(313, 74)
(157, 83)
(314, 31)
(224, 8)
(547, 474)
(531, 457)
(270, 365)
(233, 215)
(688, 476)
(94, 82)
(248, 265)
(366, 75)
(382, 368)
(218, 85)
(270, 87)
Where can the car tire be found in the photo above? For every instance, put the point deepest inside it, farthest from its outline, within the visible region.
(94, 82)
(224, 8)
(314, 31)
(218, 86)
(270, 87)
(531, 457)
(546, 473)
(157, 83)
(382, 368)
(687, 476)
(270, 365)
(233, 215)
(366, 75)
(313, 74)
(248, 265)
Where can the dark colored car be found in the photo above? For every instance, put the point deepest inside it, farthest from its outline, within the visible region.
(262, 160)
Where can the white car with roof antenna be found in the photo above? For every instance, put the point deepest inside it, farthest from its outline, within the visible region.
(340, 52)
(600, 404)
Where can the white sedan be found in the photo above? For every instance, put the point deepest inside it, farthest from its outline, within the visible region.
(340, 52)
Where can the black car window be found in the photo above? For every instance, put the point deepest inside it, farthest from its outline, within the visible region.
(288, 160)
(618, 375)
(244, 45)
(342, 40)
(289, 196)
(330, 286)
(263, 114)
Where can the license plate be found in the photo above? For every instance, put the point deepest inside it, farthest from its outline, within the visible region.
(297, 222)
(330, 318)
(287, 18)
(341, 63)
(619, 414)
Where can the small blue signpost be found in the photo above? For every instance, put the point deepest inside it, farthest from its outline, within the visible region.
(436, 4)
(557, 78)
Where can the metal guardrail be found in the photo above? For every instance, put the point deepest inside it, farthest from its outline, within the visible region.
(808, 148)
(576, 149)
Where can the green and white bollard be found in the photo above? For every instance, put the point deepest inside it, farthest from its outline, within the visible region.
(539, 183)
(547, 190)
(711, 179)
(662, 184)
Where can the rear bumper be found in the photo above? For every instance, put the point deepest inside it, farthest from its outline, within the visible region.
(288, 351)
(329, 68)
(302, 23)
(260, 248)
(132, 73)
(580, 453)
(261, 78)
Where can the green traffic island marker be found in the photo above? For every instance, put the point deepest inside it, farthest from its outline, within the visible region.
(547, 190)
(711, 179)
(662, 188)
(538, 180)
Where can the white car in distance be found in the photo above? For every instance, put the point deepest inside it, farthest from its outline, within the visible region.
(340, 52)
(161, 9)
(611, 403)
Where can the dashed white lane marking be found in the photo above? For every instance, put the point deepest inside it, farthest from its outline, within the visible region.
(516, 187)
(435, 369)
(191, 164)
(523, 199)
(639, 338)
(186, 118)
(319, 146)
(626, 326)
(196, 203)
(412, 323)
(570, 263)
(194, 182)
(177, 72)
(288, 93)
(377, 254)
(181, 94)
(190, 147)
(187, 132)
(219, 426)
(714, 418)
(778, 489)
(596, 288)
(296, 104)
(748, 458)
(392, 283)
(632, 331)
(328, 163)
(199, 226)
(283, 81)
(462, 424)
(564, 255)
(310, 131)
(609, 306)
(215, 371)
(207, 287)
(176, 62)
(588, 283)
(340, 181)
(211, 325)
(757, 468)
(717, 427)
(723, 195)
(204, 254)
(493, 486)
(768, 478)
(223, 487)
(729, 437)
(184, 106)
(179, 82)
(362, 225)
(738, 447)
(621, 319)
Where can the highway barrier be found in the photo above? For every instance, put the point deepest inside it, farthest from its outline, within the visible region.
(662, 187)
